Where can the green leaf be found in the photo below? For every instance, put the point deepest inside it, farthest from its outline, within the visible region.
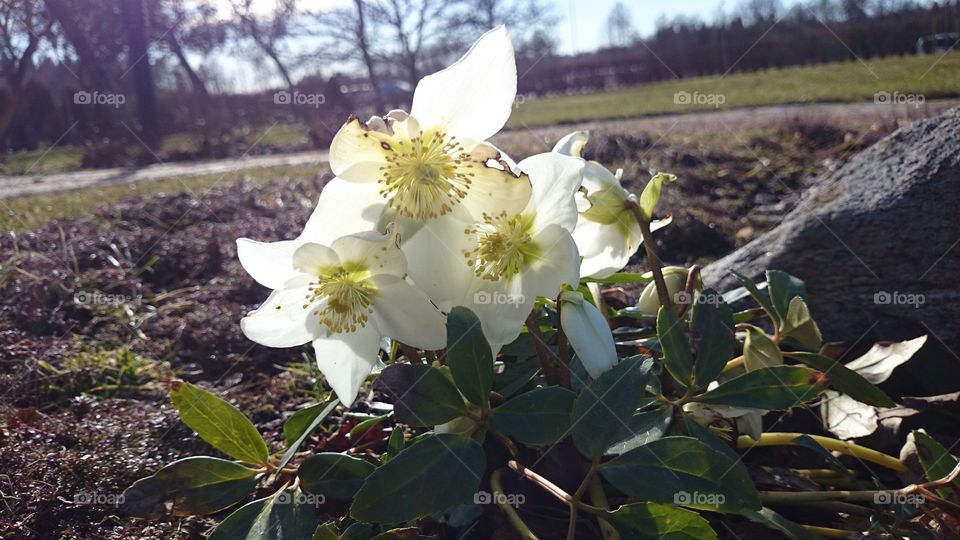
(845, 379)
(423, 395)
(395, 444)
(807, 441)
(936, 461)
(469, 356)
(282, 516)
(335, 476)
(800, 326)
(651, 194)
(432, 475)
(760, 298)
(652, 521)
(358, 531)
(301, 424)
(195, 486)
(759, 351)
(360, 429)
(780, 388)
(683, 470)
(707, 437)
(406, 533)
(218, 423)
(539, 417)
(515, 376)
(603, 408)
(782, 288)
(676, 349)
(645, 427)
(775, 521)
(712, 336)
(326, 531)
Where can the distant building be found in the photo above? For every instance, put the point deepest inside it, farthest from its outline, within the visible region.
(937, 43)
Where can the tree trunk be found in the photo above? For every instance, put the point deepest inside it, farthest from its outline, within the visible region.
(134, 21)
(367, 58)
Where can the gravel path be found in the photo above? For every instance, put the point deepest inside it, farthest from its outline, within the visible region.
(720, 122)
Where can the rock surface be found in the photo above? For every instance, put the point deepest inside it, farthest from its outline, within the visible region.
(877, 242)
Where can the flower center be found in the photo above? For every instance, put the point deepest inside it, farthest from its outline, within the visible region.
(426, 176)
(347, 297)
(505, 246)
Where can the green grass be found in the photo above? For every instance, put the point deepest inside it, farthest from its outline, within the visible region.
(42, 161)
(836, 82)
(32, 211)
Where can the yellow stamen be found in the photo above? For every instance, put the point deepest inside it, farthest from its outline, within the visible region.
(505, 246)
(347, 297)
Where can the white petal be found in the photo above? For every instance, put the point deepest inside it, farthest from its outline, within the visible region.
(597, 177)
(555, 179)
(282, 321)
(472, 98)
(311, 258)
(356, 154)
(379, 252)
(269, 263)
(435, 257)
(605, 248)
(590, 336)
(502, 307)
(572, 144)
(557, 264)
(346, 359)
(344, 208)
(405, 313)
(495, 186)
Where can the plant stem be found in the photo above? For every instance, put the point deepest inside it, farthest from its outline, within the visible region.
(412, 355)
(577, 495)
(827, 532)
(836, 445)
(564, 350)
(540, 346)
(552, 488)
(652, 259)
(512, 516)
(599, 499)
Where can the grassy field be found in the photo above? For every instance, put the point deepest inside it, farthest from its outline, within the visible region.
(837, 82)
(31, 211)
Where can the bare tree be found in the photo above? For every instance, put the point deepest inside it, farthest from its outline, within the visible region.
(267, 31)
(23, 27)
(415, 24)
(620, 30)
(135, 24)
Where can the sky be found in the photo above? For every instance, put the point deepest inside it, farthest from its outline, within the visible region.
(589, 17)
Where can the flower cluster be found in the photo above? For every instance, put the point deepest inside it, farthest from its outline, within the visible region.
(425, 215)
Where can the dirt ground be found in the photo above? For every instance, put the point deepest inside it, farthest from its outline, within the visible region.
(97, 314)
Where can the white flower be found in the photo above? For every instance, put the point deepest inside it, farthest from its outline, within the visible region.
(675, 277)
(747, 420)
(607, 232)
(514, 258)
(343, 298)
(432, 168)
(588, 333)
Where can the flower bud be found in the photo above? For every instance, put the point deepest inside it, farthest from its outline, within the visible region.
(588, 333)
(676, 280)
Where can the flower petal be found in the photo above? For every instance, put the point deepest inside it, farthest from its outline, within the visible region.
(379, 252)
(589, 335)
(356, 152)
(502, 307)
(494, 186)
(572, 144)
(557, 265)
(404, 313)
(269, 263)
(596, 177)
(346, 359)
(311, 258)
(282, 320)
(555, 179)
(344, 208)
(605, 248)
(472, 98)
(435, 257)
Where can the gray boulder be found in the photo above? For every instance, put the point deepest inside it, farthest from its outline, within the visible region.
(877, 242)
